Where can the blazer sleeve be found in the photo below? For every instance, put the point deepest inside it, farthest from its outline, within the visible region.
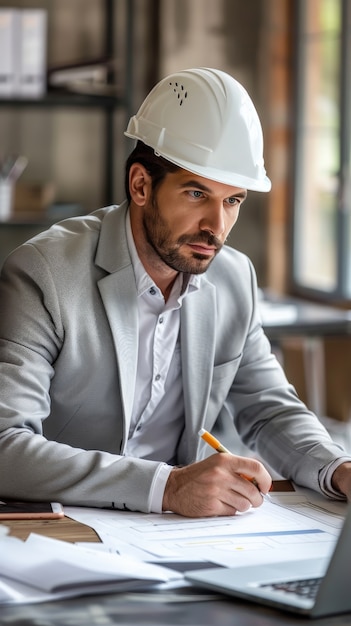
(269, 416)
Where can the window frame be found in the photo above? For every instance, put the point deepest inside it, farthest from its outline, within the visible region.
(341, 294)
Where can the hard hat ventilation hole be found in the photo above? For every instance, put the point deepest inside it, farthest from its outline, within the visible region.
(180, 92)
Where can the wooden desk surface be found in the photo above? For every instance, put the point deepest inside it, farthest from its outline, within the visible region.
(65, 529)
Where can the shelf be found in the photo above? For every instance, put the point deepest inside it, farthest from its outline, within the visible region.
(119, 98)
(65, 99)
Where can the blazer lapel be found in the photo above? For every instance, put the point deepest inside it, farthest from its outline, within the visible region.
(198, 320)
(118, 293)
(121, 310)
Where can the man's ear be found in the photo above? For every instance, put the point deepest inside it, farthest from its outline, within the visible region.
(139, 184)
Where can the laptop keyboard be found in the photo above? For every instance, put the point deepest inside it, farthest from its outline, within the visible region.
(307, 588)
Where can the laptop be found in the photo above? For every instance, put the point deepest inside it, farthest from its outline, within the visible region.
(316, 587)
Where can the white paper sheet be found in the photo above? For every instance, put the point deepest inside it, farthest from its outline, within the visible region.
(42, 568)
(288, 527)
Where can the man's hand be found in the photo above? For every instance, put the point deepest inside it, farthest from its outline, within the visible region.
(341, 479)
(215, 486)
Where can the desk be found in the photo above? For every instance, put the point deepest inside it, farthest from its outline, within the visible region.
(318, 333)
(65, 529)
(136, 610)
(293, 317)
(141, 609)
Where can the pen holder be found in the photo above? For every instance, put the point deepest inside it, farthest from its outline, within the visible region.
(6, 199)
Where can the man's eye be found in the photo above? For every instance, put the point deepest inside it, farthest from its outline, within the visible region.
(233, 201)
(196, 194)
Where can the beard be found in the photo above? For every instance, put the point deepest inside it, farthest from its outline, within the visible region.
(159, 237)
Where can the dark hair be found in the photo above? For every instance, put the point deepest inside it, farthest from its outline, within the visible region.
(156, 166)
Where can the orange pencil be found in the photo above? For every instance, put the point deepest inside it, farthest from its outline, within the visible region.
(219, 447)
(212, 441)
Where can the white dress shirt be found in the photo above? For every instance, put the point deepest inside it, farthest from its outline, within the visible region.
(157, 418)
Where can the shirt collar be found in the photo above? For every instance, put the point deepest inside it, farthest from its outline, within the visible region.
(190, 282)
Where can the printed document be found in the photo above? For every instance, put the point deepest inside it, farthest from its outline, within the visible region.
(287, 527)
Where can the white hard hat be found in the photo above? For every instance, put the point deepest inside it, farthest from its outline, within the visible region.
(204, 121)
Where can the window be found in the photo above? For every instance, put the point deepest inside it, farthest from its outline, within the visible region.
(321, 246)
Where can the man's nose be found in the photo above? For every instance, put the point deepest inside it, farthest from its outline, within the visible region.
(213, 219)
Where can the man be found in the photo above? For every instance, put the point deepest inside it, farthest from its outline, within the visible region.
(126, 331)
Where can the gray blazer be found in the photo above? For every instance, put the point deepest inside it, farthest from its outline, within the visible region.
(68, 356)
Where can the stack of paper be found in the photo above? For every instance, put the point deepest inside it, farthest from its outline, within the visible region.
(42, 569)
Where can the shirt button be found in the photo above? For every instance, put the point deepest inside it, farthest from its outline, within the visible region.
(157, 377)
(152, 291)
(160, 321)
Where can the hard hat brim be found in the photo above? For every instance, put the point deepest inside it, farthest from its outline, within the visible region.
(221, 176)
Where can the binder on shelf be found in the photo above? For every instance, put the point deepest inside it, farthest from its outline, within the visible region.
(9, 52)
(23, 63)
(32, 53)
